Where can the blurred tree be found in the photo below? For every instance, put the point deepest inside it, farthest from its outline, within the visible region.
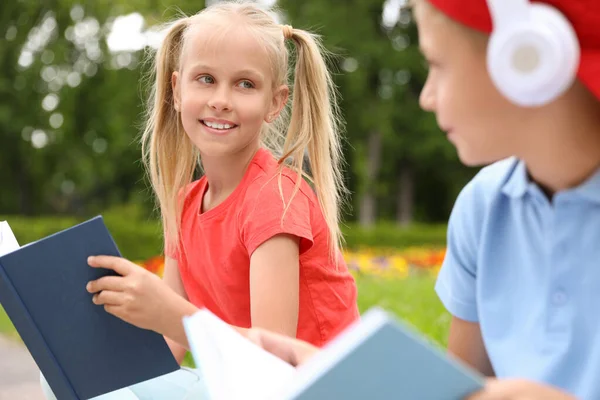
(392, 143)
(71, 106)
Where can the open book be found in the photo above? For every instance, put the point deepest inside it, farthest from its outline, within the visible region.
(376, 358)
(82, 350)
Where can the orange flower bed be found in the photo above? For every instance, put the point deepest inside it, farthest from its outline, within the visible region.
(387, 263)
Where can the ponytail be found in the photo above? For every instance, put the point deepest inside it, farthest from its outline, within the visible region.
(314, 128)
(168, 154)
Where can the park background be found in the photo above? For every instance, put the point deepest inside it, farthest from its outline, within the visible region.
(72, 95)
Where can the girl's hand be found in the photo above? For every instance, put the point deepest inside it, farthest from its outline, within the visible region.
(138, 297)
(519, 389)
(290, 350)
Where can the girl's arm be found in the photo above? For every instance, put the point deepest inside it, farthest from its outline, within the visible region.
(172, 278)
(466, 343)
(274, 285)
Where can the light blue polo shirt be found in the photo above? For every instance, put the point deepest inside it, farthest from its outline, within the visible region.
(529, 272)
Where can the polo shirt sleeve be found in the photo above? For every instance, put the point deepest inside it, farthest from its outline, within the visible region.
(456, 282)
(269, 209)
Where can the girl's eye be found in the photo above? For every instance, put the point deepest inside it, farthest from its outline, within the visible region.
(206, 79)
(246, 84)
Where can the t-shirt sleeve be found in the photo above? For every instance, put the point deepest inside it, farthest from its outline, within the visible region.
(456, 282)
(269, 209)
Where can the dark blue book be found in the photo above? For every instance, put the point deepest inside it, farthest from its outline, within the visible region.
(82, 350)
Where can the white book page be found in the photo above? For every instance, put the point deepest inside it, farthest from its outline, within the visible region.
(233, 368)
(8, 242)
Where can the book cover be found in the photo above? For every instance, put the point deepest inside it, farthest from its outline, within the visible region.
(82, 350)
(380, 357)
(377, 357)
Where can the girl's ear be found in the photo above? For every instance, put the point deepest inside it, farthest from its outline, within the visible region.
(280, 98)
(176, 86)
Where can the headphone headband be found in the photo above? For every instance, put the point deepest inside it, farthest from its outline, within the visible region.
(508, 12)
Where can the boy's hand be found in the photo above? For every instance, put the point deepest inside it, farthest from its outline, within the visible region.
(290, 350)
(519, 389)
(138, 297)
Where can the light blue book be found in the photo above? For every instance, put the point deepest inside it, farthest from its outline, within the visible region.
(382, 358)
(378, 357)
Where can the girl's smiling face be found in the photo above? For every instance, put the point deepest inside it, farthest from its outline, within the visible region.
(225, 89)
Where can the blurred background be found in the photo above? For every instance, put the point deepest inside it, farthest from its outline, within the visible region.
(72, 92)
(72, 95)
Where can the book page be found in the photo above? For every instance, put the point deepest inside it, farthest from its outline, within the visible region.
(233, 368)
(8, 242)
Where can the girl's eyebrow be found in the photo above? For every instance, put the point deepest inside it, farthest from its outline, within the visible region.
(250, 72)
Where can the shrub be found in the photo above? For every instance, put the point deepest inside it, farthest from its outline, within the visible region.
(139, 236)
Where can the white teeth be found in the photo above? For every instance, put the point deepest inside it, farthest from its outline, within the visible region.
(218, 126)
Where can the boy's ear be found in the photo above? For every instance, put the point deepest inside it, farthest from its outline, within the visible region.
(175, 86)
(280, 99)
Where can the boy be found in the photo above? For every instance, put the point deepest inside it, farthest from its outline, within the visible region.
(523, 264)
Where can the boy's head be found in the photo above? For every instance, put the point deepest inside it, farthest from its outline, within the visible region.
(486, 112)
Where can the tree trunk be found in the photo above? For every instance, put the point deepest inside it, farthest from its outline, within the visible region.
(368, 202)
(406, 195)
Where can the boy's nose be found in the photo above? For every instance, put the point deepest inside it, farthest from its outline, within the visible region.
(427, 98)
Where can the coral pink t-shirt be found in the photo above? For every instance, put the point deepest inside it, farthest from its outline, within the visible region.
(215, 249)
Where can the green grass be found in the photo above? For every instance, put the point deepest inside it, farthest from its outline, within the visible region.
(411, 299)
(6, 327)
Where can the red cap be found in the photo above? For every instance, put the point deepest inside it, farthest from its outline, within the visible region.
(584, 15)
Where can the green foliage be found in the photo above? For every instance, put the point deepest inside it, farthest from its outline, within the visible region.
(386, 235)
(139, 237)
(380, 73)
(92, 159)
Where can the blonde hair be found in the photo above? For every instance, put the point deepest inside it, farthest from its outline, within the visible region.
(313, 127)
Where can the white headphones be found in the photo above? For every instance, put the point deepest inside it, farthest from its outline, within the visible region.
(533, 52)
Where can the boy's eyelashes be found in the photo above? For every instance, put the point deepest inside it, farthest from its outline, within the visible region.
(428, 63)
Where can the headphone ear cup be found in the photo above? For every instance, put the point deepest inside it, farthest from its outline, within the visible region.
(534, 62)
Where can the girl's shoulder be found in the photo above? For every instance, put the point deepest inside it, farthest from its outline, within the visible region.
(280, 183)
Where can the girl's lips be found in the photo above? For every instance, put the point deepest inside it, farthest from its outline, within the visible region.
(217, 121)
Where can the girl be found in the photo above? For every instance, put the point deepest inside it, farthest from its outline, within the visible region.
(250, 240)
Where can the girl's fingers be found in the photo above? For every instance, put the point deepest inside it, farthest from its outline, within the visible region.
(120, 265)
(111, 283)
(112, 309)
(293, 351)
(107, 297)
